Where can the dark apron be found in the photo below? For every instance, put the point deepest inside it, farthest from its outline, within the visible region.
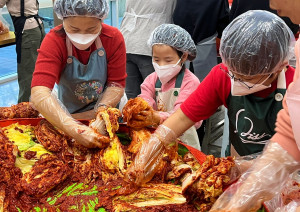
(80, 85)
(19, 23)
(252, 119)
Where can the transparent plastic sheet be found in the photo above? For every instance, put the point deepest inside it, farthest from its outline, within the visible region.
(111, 95)
(4, 27)
(274, 203)
(88, 8)
(175, 36)
(256, 42)
(56, 113)
(288, 197)
(261, 182)
(150, 155)
(242, 164)
(291, 207)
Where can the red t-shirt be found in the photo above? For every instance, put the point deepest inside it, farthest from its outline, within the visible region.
(214, 90)
(53, 56)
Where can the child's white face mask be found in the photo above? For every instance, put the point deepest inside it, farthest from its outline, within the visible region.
(167, 72)
(240, 89)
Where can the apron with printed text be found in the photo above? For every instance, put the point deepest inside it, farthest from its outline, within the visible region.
(252, 119)
(80, 85)
(165, 102)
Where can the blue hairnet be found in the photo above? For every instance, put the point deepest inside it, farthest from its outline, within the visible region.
(175, 36)
(256, 42)
(89, 8)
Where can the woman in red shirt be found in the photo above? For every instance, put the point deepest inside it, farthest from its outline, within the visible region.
(87, 60)
(281, 157)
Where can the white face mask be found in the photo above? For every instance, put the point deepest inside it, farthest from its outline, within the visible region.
(82, 41)
(167, 72)
(239, 89)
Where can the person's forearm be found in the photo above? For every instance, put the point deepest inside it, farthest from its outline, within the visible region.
(259, 183)
(178, 122)
(85, 115)
(111, 96)
(50, 108)
(284, 135)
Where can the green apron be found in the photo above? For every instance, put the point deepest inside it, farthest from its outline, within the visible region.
(252, 119)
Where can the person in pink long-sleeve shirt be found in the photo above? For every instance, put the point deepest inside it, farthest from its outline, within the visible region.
(189, 84)
(171, 83)
(287, 135)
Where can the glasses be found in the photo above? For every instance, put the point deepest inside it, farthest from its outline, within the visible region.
(230, 74)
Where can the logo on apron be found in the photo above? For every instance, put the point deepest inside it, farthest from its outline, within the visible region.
(88, 92)
(250, 136)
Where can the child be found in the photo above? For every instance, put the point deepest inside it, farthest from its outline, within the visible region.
(250, 82)
(171, 83)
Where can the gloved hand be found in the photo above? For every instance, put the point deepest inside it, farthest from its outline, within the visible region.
(242, 164)
(148, 158)
(260, 183)
(147, 117)
(54, 111)
(86, 136)
(139, 114)
(293, 206)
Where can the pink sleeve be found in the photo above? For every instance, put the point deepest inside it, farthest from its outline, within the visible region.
(284, 133)
(189, 84)
(148, 90)
(297, 49)
(210, 94)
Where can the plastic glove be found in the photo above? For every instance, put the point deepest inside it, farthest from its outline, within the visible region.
(148, 158)
(139, 114)
(86, 136)
(288, 198)
(242, 164)
(260, 183)
(147, 117)
(111, 96)
(291, 207)
(54, 111)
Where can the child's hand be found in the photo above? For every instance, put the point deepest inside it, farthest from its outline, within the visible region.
(148, 116)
